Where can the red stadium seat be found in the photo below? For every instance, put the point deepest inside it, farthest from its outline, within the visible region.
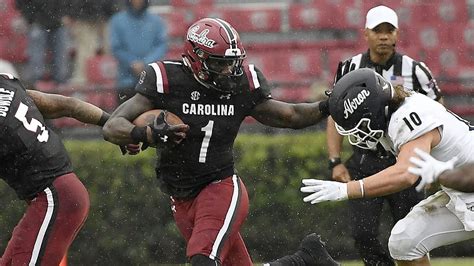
(191, 3)
(464, 33)
(292, 94)
(428, 36)
(101, 69)
(264, 18)
(319, 15)
(13, 48)
(334, 56)
(282, 66)
(174, 52)
(439, 12)
(177, 21)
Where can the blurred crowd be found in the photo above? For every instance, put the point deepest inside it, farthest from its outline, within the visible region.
(61, 39)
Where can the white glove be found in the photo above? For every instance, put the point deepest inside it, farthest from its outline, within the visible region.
(324, 190)
(428, 168)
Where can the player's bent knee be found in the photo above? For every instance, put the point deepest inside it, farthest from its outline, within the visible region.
(202, 260)
(403, 246)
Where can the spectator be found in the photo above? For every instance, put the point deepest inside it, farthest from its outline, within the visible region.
(89, 31)
(381, 33)
(137, 38)
(48, 20)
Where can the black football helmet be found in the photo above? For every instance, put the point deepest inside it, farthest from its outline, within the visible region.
(214, 53)
(359, 104)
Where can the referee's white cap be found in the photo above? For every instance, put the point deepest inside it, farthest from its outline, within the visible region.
(379, 15)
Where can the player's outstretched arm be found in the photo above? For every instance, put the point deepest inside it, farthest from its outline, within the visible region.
(55, 106)
(461, 179)
(431, 170)
(288, 115)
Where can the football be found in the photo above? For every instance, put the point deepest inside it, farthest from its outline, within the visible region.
(149, 116)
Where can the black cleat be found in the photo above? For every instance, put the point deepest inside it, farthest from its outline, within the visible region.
(314, 252)
(311, 252)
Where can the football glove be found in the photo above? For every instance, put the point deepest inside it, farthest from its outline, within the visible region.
(342, 69)
(164, 133)
(323, 190)
(428, 168)
(131, 149)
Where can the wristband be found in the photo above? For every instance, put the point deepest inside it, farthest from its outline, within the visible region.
(361, 185)
(138, 134)
(333, 162)
(105, 116)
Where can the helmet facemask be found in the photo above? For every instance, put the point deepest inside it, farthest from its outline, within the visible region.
(362, 135)
(220, 73)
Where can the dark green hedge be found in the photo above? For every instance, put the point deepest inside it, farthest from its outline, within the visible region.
(130, 221)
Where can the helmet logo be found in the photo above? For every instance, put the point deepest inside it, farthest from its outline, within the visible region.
(200, 38)
(351, 105)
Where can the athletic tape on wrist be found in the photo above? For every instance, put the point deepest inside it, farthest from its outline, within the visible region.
(361, 185)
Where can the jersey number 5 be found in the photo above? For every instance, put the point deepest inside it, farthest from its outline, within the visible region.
(32, 126)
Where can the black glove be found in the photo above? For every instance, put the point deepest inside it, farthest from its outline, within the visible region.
(342, 69)
(324, 107)
(164, 133)
(160, 129)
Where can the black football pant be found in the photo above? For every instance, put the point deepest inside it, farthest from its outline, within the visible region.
(365, 221)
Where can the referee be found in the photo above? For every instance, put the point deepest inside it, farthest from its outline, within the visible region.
(381, 34)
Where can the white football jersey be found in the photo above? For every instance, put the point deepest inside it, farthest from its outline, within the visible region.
(419, 115)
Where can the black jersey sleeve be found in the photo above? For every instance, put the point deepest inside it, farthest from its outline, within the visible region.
(149, 83)
(259, 87)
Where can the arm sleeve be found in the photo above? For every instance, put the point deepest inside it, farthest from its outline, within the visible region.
(424, 82)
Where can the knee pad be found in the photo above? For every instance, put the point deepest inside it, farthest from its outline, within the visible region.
(202, 260)
(404, 244)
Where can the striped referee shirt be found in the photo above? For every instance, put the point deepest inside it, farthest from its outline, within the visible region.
(399, 70)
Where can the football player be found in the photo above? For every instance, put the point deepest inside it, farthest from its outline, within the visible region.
(212, 90)
(431, 170)
(34, 163)
(368, 110)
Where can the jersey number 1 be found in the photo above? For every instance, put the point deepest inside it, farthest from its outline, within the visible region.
(205, 141)
(32, 126)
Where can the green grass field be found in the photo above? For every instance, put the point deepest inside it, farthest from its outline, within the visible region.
(434, 262)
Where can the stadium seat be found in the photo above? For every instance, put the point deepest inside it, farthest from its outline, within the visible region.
(255, 18)
(283, 67)
(319, 15)
(438, 12)
(13, 48)
(292, 94)
(174, 52)
(334, 56)
(101, 69)
(177, 21)
(190, 3)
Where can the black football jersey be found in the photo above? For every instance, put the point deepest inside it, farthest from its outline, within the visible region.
(214, 117)
(31, 155)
